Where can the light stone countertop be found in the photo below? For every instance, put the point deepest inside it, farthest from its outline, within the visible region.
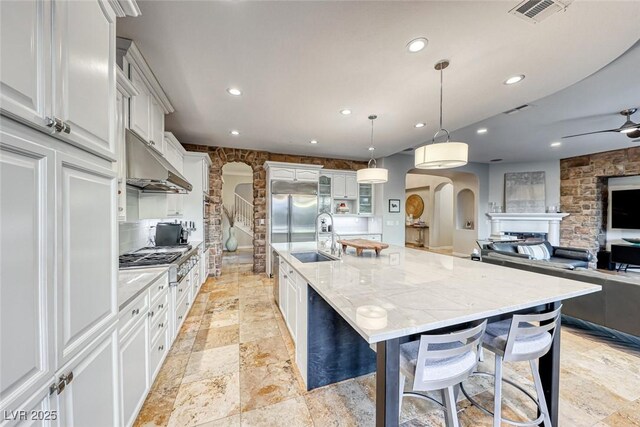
(351, 233)
(132, 283)
(416, 291)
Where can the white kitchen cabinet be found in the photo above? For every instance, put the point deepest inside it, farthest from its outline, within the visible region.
(283, 174)
(307, 175)
(25, 37)
(124, 92)
(158, 351)
(292, 304)
(40, 410)
(148, 107)
(345, 186)
(301, 326)
(140, 112)
(90, 397)
(294, 174)
(206, 164)
(173, 154)
(87, 249)
(134, 371)
(84, 96)
(156, 138)
(45, 84)
(27, 213)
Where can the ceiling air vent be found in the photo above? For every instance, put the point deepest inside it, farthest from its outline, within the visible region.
(518, 109)
(536, 11)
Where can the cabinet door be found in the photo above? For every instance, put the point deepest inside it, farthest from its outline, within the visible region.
(27, 215)
(87, 253)
(283, 174)
(338, 186)
(292, 304)
(301, 327)
(91, 397)
(140, 105)
(307, 175)
(39, 410)
(84, 92)
(351, 186)
(25, 37)
(121, 113)
(157, 127)
(365, 199)
(134, 372)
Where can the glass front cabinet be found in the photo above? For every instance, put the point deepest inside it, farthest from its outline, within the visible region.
(324, 194)
(365, 199)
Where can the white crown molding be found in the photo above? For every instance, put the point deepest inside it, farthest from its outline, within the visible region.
(124, 8)
(135, 58)
(124, 85)
(174, 141)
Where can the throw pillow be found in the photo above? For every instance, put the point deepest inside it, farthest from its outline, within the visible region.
(539, 252)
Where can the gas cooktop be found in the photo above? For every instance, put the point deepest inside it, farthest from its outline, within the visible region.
(139, 259)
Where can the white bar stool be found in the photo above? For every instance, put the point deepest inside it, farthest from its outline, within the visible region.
(518, 340)
(440, 362)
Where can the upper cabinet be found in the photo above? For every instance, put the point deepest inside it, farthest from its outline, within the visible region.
(45, 86)
(345, 186)
(279, 171)
(148, 107)
(125, 90)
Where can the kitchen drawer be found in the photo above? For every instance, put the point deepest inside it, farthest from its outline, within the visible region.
(157, 352)
(181, 313)
(182, 288)
(160, 287)
(133, 312)
(162, 303)
(158, 323)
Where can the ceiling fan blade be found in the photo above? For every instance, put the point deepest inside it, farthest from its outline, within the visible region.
(591, 133)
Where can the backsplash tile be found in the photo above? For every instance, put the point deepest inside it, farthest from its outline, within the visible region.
(134, 235)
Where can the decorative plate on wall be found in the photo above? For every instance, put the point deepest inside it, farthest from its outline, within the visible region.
(414, 205)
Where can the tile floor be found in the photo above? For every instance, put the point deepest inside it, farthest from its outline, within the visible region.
(232, 365)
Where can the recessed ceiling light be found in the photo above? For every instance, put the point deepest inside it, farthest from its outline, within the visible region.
(481, 131)
(345, 112)
(313, 141)
(235, 132)
(416, 45)
(555, 144)
(420, 125)
(371, 148)
(495, 160)
(234, 91)
(514, 79)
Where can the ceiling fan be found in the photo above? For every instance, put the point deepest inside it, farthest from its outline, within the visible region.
(629, 128)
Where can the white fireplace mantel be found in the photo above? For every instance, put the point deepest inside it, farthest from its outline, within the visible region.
(548, 223)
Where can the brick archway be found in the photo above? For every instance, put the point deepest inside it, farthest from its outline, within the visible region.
(254, 159)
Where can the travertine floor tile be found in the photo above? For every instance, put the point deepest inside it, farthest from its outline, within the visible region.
(265, 385)
(207, 400)
(263, 352)
(216, 337)
(292, 413)
(252, 331)
(212, 363)
(157, 408)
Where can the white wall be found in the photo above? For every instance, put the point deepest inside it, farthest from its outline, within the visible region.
(230, 182)
(393, 224)
(622, 183)
(551, 171)
(441, 232)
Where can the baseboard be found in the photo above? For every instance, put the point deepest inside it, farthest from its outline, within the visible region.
(441, 248)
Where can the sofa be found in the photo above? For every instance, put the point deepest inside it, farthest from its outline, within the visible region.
(563, 257)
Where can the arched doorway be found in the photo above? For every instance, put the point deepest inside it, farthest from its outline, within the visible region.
(442, 228)
(238, 218)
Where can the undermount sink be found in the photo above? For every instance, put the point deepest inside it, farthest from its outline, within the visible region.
(306, 257)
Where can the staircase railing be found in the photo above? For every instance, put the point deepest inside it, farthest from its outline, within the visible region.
(244, 212)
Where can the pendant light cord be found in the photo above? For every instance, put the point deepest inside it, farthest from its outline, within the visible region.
(371, 160)
(442, 66)
(441, 78)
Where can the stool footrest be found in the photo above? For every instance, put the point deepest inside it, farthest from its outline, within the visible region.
(475, 403)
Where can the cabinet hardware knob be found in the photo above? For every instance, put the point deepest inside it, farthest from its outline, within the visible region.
(151, 313)
(135, 311)
(66, 128)
(161, 348)
(69, 377)
(187, 304)
(179, 317)
(161, 287)
(160, 306)
(160, 325)
(120, 209)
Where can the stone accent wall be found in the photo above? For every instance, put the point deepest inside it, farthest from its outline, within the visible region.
(213, 223)
(584, 194)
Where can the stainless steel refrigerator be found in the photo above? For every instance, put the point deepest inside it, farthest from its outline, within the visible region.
(294, 206)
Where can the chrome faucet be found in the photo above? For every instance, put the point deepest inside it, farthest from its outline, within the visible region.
(335, 248)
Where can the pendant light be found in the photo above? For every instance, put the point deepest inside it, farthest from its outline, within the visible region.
(441, 155)
(372, 174)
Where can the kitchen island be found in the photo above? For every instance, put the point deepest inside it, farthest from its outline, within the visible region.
(345, 306)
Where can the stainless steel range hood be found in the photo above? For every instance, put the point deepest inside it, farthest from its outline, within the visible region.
(151, 172)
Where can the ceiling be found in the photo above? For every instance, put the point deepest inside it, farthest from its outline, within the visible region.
(299, 63)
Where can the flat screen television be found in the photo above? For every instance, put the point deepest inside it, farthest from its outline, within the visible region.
(625, 209)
